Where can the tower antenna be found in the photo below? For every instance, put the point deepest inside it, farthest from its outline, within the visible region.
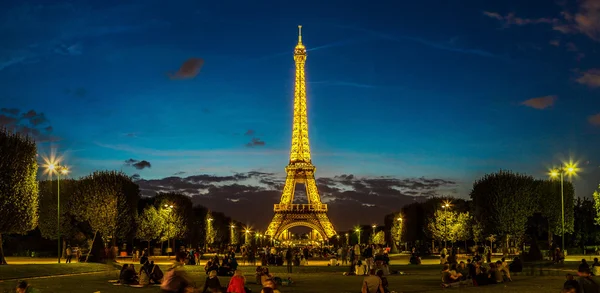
(299, 34)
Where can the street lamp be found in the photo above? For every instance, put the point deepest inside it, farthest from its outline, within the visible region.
(358, 232)
(569, 169)
(446, 206)
(246, 236)
(232, 233)
(373, 233)
(399, 230)
(51, 168)
(347, 239)
(169, 209)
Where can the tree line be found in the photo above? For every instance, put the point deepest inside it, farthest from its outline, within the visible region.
(100, 210)
(505, 208)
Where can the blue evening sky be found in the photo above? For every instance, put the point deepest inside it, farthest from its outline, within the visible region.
(396, 88)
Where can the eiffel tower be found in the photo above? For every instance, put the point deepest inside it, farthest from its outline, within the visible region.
(300, 170)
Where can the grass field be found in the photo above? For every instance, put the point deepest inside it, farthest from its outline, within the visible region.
(309, 279)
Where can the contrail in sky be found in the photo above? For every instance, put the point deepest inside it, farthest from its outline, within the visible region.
(311, 49)
(440, 46)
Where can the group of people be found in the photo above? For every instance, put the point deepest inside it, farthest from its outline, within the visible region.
(584, 283)
(148, 274)
(363, 259)
(477, 273)
(227, 267)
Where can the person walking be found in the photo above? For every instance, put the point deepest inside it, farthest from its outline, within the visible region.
(69, 254)
(289, 259)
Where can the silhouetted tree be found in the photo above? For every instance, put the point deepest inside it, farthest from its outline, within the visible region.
(503, 202)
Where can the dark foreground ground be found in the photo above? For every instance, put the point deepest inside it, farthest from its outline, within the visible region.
(82, 278)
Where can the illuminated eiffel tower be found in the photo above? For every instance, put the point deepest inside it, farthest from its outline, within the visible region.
(300, 170)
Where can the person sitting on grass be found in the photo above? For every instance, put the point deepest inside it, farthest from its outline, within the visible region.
(481, 277)
(595, 267)
(237, 282)
(384, 282)
(450, 278)
(144, 276)
(463, 270)
(258, 274)
(571, 283)
(360, 269)
(265, 276)
(372, 283)
(494, 274)
(156, 274)
(503, 271)
(516, 266)
(271, 284)
(122, 273)
(23, 287)
(586, 283)
(130, 276)
(212, 282)
(176, 280)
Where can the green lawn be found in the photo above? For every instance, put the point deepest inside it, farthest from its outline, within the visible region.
(311, 279)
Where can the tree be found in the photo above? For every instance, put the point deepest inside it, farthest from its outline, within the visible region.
(503, 202)
(149, 225)
(585, 231)
(98, 204)
(596, 197)
(69, 227)
(379, 238)
(460, 229)
(441, 225)
(477, 231)
(549, 205)
(172, 227)
(18, 185)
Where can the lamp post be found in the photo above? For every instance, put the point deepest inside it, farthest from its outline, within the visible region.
(232, 234)
(358, 233)
(246, 236)
(347, 239)
(446, 206)
(399, 230)
(569, 169)
(58, 169)
(373, 235)
(209, 231)
(169, 210)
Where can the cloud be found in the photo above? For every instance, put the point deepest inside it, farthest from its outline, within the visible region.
(584, 20)
(555, 43)
(136, 177)
(590, 78)
(179, 173)
(255, 142)
(540, 103)
(244, 193)
(138, 164)
(512, 19)
(249, 132)
(30, 123)
(594, 119)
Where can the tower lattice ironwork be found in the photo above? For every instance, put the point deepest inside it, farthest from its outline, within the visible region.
(300, 168)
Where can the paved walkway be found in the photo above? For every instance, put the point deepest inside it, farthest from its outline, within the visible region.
(398, 259)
